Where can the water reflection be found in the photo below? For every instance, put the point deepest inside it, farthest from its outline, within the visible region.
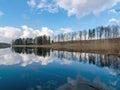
(37, 51)
(81, 83)
(99, 60)
(44, 69)
(67, 57)
(24, 57)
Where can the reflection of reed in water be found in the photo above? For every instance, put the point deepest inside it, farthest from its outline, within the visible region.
(95, 59)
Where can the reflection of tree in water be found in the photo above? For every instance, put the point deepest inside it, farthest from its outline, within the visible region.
(42, 52)
(91, 59)
(95, 59)
(99, 60)
(37, 51)
(18, 50)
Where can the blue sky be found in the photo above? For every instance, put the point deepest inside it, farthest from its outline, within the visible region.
(57, 15)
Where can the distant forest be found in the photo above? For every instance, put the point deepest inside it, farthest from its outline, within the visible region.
(32, 41)
(4, 45)
(101, 32)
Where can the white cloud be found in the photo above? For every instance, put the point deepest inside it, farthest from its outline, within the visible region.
(76, 7)
(31, 3)
(1, 13)
(66, 30)
(84, 7)
(46, 31)
(7, 34)
(112, 11)
(48, 5)
(114, 20)
(29, 32)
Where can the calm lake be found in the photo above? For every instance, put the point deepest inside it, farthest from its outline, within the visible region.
(45, 69)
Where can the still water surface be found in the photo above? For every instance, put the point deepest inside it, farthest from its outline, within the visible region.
(44, 69)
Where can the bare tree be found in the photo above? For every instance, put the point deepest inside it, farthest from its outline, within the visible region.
(90, 34)
(85, 34)
(101, 32)
(115, 30)
(80, 35)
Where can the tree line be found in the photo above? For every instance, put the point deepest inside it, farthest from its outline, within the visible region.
(101, 32)
(40, 40)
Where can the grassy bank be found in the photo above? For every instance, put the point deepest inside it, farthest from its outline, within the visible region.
(106, 46)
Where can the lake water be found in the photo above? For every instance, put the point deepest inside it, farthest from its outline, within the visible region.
(45, 69)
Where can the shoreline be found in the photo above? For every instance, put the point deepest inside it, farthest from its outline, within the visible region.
(103, 46)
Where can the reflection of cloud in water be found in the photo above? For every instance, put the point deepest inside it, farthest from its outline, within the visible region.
(112, 72)
(9, 58)
(30, 58)
(83, 84)
(65, 61)
(63, 57)
(114, 83)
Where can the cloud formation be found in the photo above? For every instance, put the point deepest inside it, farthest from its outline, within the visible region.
(7, 34)
(31, 3)
(74, 7)
(66, 30)
(114, 11)
(9, 58)
(48, 5)
(84, 7)
(114, 20)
